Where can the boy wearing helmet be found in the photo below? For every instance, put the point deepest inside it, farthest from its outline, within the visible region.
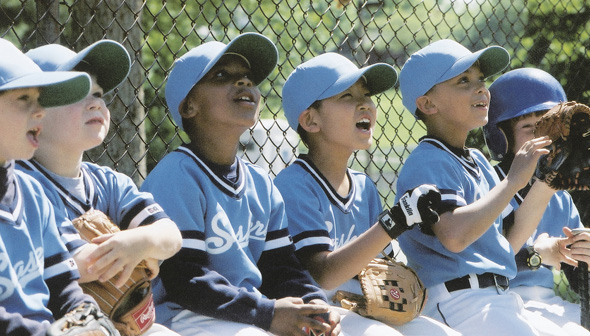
(519, 99)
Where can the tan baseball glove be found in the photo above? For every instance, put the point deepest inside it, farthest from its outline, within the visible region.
(130, 307)
(392, 293)
(567, 166)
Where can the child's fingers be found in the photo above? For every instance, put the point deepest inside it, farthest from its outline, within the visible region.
(102, 238)
(124, 276)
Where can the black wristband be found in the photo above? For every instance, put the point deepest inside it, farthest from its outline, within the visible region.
(393, 222)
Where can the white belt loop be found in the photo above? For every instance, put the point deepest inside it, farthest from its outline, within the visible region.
(473, 281)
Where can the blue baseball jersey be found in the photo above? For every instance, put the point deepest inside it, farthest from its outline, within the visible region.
(560, 212)
(319, 218)
(463, 176)
(106, 190)
(236, 253)
(33, 260)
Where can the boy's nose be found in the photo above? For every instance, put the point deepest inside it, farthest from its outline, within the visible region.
(39, 111)
(244, 81)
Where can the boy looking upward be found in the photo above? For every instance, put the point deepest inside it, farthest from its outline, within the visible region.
(334, 211)
(466, 261)
(236, 272)
(37, 274)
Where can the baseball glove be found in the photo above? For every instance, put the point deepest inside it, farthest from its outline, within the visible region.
(84, 320)
(392, 293)
(131, 307)
(567, 166)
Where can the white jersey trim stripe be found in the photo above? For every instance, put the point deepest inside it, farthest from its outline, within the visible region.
(313, 241)
(66, 197)
(62, 267)
(277, 243)
(195, 244)
(460, 201)
(145, 213)
(507, 210)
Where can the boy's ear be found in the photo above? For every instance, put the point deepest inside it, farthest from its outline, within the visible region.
(187, 108)
(425, 104)
(309, 120)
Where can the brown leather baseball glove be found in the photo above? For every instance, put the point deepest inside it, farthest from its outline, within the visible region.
(392, 293)
(567, 166)
(130, 307)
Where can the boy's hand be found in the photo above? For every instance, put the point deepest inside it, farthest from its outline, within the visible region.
(554, 250)
(580, 248)
(525, 161)
(116, 254)
(417, 206)
(291, 315)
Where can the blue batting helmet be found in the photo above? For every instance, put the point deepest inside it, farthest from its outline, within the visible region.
(514, 94)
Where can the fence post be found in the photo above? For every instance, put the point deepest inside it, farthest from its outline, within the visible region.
(48, 17)
(124, 149)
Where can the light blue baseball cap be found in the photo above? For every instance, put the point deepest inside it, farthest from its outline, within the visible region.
(108, 59)
(327, 75)
(17, 71)
(441, 61)
(259, 52)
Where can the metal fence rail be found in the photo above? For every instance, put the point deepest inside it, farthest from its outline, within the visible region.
(549, 34)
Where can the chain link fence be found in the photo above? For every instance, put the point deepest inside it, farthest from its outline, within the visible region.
(549, 34)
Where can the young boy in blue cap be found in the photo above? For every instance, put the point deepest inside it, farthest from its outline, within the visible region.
(466, 261)
(334, 212)
(236, 273)
(37, 274)
(519, 99)
(75, 187)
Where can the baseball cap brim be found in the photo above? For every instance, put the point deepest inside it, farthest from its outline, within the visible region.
(56, 88)
(378, 78)
(108, 60)
(258, 50)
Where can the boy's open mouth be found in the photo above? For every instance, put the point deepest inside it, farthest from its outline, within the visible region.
(245, 97)
(33, 134)
(364, 124)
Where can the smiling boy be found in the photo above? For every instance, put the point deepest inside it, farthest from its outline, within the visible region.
(465, 261)
(236, 273)
(335, 212)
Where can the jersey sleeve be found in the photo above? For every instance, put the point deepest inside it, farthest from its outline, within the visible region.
(447, 177)
(302, 206)
(128, 206)
(282, 273)
(15, 324)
